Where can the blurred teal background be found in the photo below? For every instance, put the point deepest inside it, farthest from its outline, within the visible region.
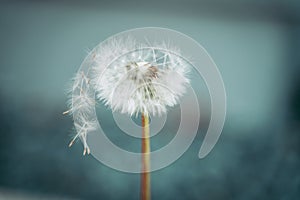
(256, 46)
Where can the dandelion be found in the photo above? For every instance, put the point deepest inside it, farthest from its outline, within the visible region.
(129, 78)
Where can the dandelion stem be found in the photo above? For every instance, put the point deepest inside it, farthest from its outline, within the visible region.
(145, 174)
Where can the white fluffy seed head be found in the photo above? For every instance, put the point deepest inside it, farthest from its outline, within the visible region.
(141, 78)
(130, 78)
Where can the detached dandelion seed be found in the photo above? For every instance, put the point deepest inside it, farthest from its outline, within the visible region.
(130, 78)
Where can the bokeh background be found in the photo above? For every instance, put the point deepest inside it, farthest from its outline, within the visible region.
(256, 45)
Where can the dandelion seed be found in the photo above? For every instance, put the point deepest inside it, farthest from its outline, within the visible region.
(66, 112)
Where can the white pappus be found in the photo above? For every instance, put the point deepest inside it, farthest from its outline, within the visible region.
(128, 77)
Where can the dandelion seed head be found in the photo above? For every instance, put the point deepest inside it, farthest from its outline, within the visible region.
(143, 79)
(129, 78)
